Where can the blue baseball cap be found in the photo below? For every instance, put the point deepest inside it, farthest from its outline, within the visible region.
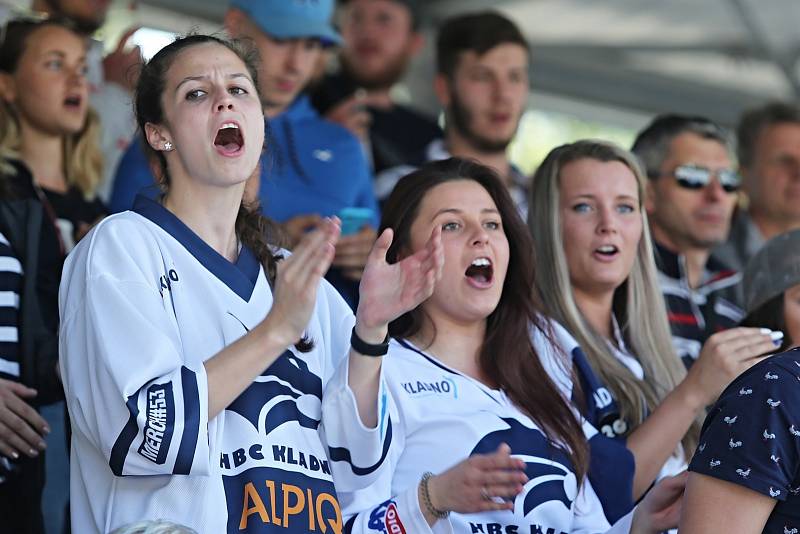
(291, 19)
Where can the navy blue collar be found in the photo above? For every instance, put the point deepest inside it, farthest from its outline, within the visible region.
(240, 277)
(483, 387)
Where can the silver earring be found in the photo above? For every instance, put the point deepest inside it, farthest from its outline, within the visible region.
(168, 146)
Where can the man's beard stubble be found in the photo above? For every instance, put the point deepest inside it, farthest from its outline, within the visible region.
(461, 118)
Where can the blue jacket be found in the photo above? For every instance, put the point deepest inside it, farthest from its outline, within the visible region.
(312, 166)
(132, 177)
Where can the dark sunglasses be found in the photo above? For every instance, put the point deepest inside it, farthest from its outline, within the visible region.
(696, 177)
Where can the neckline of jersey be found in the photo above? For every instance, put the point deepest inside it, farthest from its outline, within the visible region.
(488, 391)
(239, 276)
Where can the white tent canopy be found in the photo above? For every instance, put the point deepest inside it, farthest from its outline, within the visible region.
(709, 57)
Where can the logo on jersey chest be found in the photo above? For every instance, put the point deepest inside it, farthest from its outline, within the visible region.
(287, 391)
(273, 501)
(280, 453)
(423, 388)
(549, 470)
(165, 281)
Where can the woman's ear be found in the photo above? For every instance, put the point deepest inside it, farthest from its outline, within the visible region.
(158, 137)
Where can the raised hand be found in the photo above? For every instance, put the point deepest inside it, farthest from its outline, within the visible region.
(22, 429)
(725, 356)
(481, 482)
(298, 279)
(121, 66)
(233, 369)
(387, 291)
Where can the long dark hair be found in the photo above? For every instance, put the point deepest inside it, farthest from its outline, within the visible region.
(507, 357)
(256, 232)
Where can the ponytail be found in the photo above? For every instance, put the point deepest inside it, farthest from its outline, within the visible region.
(263, 237)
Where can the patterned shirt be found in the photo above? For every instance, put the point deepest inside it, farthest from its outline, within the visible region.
(10, 287)
(695, 314)
(752, 437)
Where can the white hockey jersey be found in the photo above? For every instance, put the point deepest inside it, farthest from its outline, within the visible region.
(144, 302)
(436, 418)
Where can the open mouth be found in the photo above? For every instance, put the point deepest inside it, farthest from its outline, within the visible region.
(72, 102)
(608, 251)
(480, 272)
(229, 140)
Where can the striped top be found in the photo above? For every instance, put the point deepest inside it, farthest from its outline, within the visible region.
(695, 314)
(10, 285)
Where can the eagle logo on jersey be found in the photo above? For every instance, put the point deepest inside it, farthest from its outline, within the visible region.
(281, 387)
(548, 468)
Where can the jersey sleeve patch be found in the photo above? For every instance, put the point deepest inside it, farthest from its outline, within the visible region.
(156, 420)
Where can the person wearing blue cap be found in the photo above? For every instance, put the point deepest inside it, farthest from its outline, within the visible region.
(314, 168)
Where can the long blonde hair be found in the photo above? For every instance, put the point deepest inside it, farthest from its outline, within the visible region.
(638, 303)
(83, 160)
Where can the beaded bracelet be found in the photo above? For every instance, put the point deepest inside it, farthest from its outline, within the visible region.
(426, 497)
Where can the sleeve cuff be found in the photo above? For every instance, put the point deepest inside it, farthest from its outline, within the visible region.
(415, 520)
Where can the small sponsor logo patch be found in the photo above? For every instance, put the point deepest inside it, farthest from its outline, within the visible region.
(393, 523)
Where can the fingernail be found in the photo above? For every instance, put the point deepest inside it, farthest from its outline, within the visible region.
(42, 445)
(46, 429)
(765, 331)
(15, 455)
(33, 452)
(776, 335)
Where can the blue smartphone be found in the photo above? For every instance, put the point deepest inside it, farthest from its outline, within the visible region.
(353, 219)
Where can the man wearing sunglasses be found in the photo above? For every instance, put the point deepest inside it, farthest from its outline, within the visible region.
(691, 194)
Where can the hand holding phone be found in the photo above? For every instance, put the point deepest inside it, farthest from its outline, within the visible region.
(353, 219)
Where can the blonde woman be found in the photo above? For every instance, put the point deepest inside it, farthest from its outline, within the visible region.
(48, 166)
(48, 135)
(597, 279)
